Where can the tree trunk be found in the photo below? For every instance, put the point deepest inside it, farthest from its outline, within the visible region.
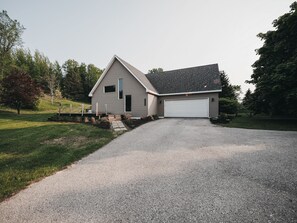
(52, 94)
(18, 107)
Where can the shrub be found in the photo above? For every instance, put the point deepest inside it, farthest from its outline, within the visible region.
(228, 106)
(223, 118)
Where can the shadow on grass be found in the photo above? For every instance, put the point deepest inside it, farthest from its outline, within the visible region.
(265, 123)
(28, 154)
(41, 117)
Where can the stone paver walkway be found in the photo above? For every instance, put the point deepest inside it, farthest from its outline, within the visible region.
(118, 126)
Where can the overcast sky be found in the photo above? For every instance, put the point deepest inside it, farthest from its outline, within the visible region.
(170, 34)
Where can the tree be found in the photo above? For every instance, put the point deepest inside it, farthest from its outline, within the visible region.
(156, 70)
(51, 79)
(72, 85)
(10, 36)
(275, 72)
(42, 69)
(228, 106)
(247, 100)
(57, 69)
(228, 90)
(19, 90)
(23, 60)
(93, 74)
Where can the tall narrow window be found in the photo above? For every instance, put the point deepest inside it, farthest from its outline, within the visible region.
(120, 88)
(128, 103)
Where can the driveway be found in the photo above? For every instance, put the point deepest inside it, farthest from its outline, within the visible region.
(171, 170)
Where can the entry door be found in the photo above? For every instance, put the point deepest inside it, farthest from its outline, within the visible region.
(187, 108)
(128, 103)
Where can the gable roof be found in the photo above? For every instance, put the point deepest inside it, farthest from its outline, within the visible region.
(199, 79)
(188, 80)
(138, 75)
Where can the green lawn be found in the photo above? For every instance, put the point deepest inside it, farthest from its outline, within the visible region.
(32, 147)
(260, 122)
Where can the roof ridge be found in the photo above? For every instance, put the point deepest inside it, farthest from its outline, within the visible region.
(206, 65)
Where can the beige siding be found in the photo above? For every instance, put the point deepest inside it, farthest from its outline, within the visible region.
(130, 87)
(213, 105)
(152, 102)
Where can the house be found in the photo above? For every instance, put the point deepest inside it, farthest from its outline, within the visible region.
(188, 92)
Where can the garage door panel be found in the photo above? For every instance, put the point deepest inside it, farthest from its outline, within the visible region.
(186, 108)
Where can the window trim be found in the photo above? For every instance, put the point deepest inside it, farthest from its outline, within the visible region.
(115, 89)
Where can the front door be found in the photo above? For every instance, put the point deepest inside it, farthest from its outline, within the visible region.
(128, 103)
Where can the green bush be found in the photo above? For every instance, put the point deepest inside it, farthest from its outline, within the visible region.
(222, 118)
(228, 106)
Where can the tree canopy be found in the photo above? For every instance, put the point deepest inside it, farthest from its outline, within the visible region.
(275, 72)
(156, 70)
(19, 90)
(10, 36)
(228, 90)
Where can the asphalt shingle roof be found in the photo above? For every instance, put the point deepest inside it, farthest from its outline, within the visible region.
(201, 78)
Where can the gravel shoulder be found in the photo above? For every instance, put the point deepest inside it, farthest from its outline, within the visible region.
(171, 170)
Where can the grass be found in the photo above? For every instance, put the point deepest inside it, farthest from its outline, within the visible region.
(32, 148)
(262, 122)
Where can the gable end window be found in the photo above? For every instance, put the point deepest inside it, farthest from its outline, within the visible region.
(110, 88)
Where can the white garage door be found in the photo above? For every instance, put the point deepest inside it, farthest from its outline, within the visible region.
(187, 108)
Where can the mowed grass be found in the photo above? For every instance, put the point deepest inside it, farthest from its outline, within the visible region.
(32, 147)
(262, 122)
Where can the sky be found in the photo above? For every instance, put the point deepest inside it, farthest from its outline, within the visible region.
(170, 34)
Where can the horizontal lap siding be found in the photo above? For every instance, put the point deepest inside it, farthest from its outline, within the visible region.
(130, 87)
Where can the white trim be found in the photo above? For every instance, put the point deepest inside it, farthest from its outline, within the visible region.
(101, 77)
(119, 89)
(107, 69)
(182, 93)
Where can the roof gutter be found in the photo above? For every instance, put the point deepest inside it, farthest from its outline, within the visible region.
(183, 93)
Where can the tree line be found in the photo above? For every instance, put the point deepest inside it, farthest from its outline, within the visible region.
(71, 79)
(275, 72)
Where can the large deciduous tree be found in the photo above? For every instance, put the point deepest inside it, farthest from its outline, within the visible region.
(19, 90)
(275, 72)
(10, 36)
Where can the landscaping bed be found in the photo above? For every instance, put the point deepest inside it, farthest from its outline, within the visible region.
(133, 123)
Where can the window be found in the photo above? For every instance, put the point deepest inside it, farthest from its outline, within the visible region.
(120, 88)
(128, 103)
(110, 88)
(144, 102)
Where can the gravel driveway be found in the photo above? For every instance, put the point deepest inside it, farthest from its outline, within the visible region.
(171, 170)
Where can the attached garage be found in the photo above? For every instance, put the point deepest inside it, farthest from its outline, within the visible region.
(195, 108)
